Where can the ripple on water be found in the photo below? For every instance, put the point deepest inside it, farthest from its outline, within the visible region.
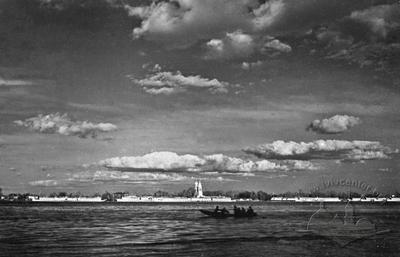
(177, 230)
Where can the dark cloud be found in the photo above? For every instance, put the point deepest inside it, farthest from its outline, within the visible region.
(183, 23)
(367, 37)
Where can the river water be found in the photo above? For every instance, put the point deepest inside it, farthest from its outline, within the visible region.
(181, 230)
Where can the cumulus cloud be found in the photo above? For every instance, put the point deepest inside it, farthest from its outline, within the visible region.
(267, 13)
(165, 82)
(184, 22)
(110, 176)
(231, 29)
(241, 45)
(335, 124)
(62, 124)
(251, 65)
(156, 161)
(276, 45)
(300, 165)
(322, 149)
(124, 177)
(220, 162)
(169, 161)
(45, 183)
(366, 37)
(235, 44)
(380, 19)
(357, 155)
(379, 56)
(14, 82)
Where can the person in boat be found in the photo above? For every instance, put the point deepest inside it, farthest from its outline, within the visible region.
(250, 211)
(238, 212)
(224, 211)
(235, 210)
(217, 210)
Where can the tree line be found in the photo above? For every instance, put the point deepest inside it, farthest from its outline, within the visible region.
(190, 192)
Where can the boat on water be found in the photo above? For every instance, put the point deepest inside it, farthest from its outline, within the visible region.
(221, 215)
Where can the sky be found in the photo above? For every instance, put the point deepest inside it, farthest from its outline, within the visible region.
(140, 96)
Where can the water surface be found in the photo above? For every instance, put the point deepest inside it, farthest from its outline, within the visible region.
(181, 230)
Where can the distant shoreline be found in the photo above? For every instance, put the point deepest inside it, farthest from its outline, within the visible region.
(4, 203)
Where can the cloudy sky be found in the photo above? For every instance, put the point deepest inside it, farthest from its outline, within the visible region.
(272, 95)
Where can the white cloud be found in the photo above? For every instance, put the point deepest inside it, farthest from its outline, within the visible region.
(220, 162)
(359, 155)
(277, 45)
(45, 183)
(216, 45)
(251, 65)
(156, 161)
(334, 124)
(240, 45)
(125, 177)
(235, 44)
(184, 22)
(62, 124)
(267, 13)
(300, 165)
(322, 149)
(332, 38)
(379, 19)
(231, 29)
(111, 176)
(163, 82)
(14, 82)
(169, 161)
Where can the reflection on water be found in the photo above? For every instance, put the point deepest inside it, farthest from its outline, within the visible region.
(181, 230)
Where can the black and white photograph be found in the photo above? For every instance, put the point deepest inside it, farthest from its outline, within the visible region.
(199, 128)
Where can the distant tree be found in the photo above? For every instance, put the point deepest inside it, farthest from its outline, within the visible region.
(375, 194)
(187, 192)
(343, 195)
(355, 195)
(214, 193)
(53, 194)
(75, 194)
(289, 194)
(161, 194)
(62, 194)
(263, 196)
(231, 194)
(118, 195)
(108, 197)
(97, 194)
(328, 194)
(246, 195)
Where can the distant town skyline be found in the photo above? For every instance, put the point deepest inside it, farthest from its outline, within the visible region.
(142, 96)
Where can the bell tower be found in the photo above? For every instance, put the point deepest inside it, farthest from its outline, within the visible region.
(198, 189)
